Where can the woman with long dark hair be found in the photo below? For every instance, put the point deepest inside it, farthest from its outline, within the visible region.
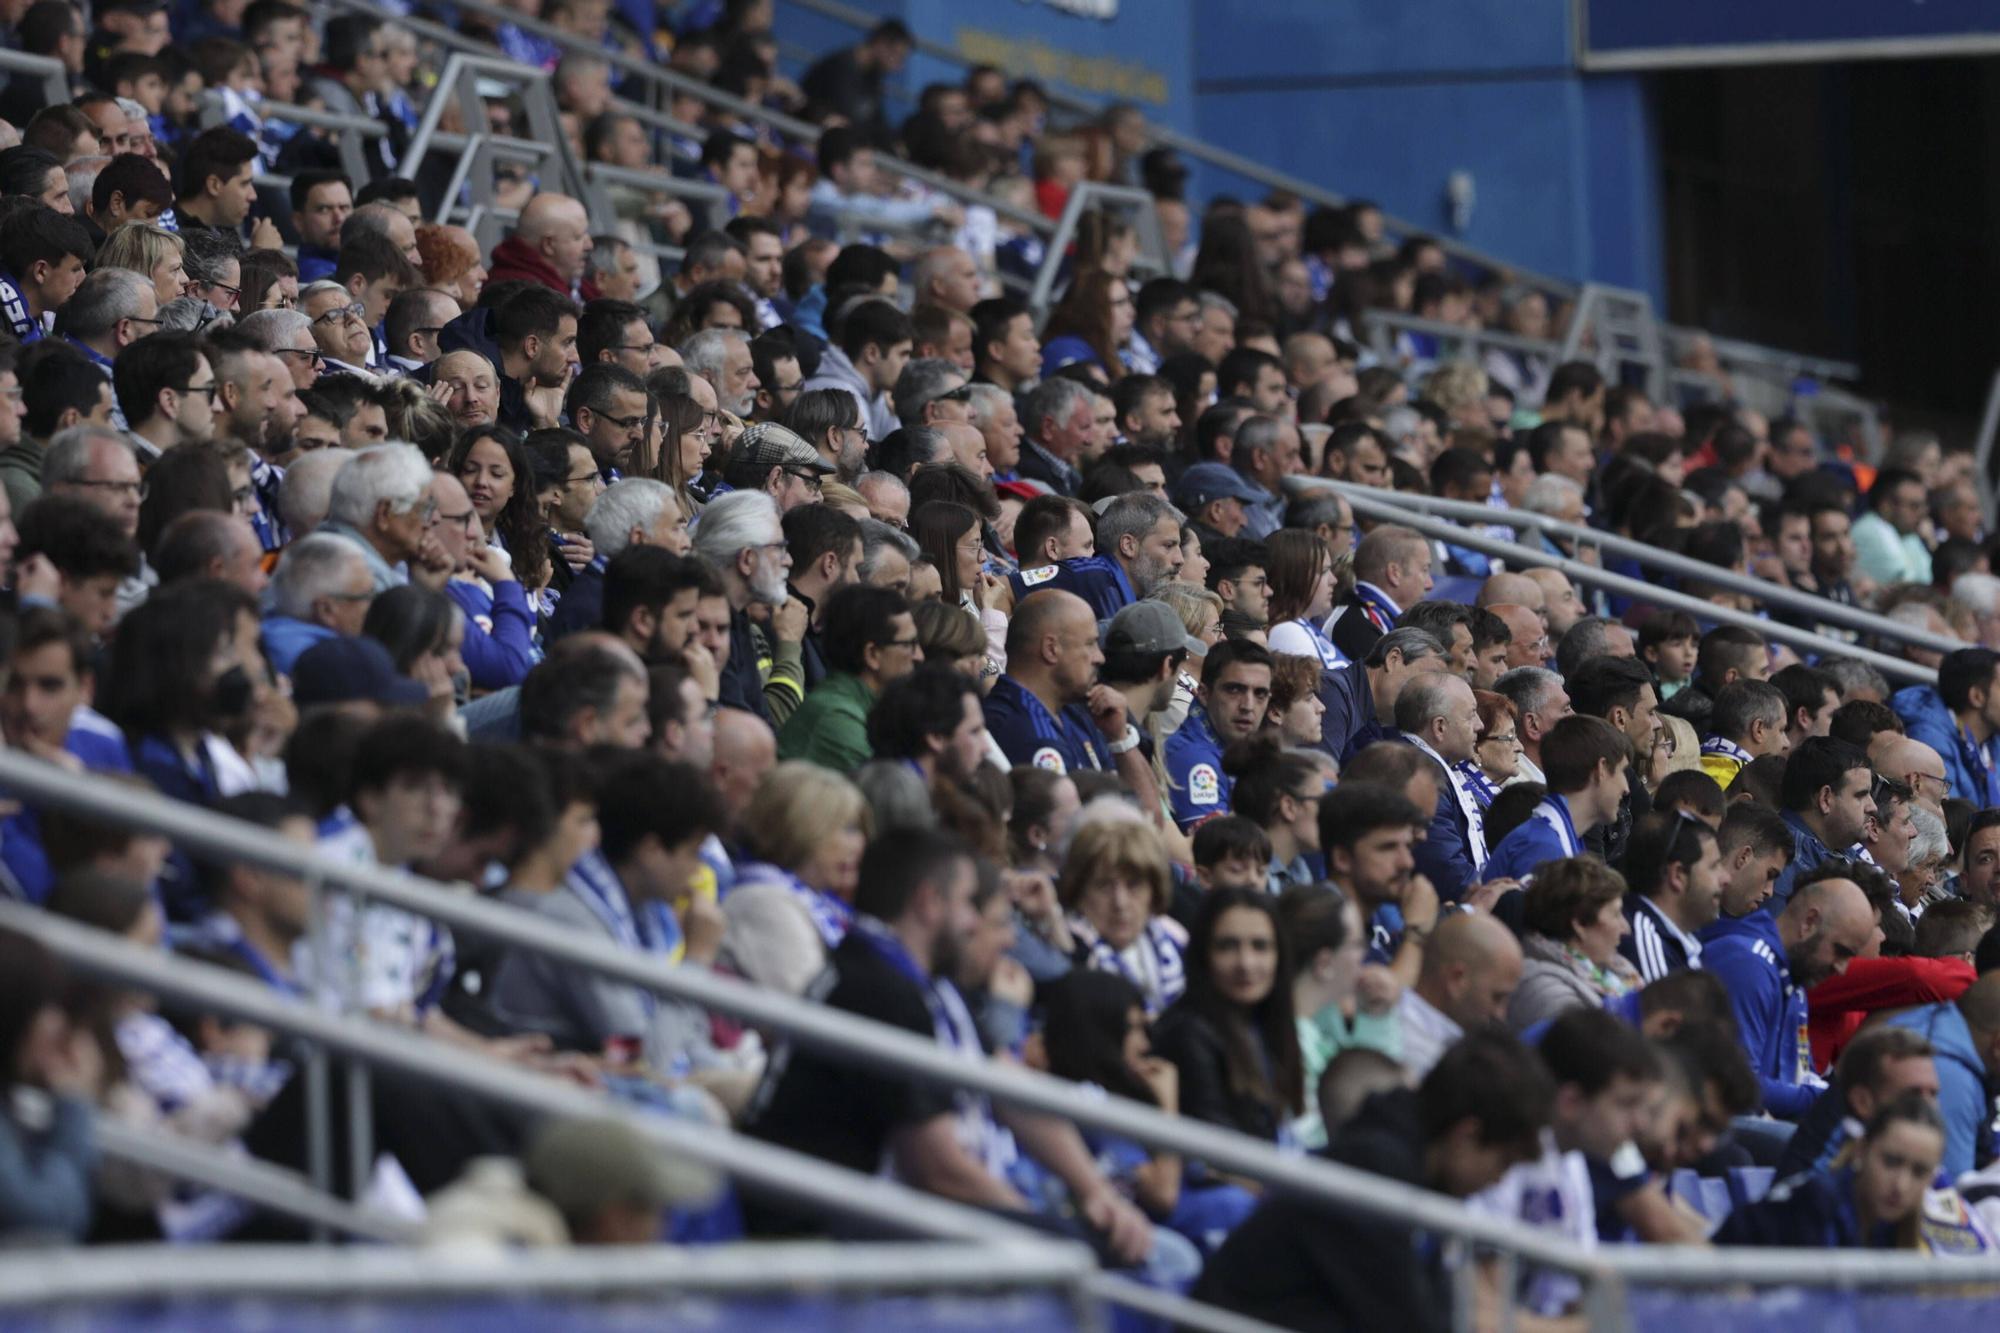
(424, 632)
(1301, 595)
(1227, 265)
(1232, 1035)
(1091, 325)
(678, 446)
(1094, 1032)
(499, 479)
(950, 537)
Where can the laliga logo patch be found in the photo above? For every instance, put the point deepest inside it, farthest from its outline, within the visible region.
(1031, 577)
(1050, 758)
(1204, 786)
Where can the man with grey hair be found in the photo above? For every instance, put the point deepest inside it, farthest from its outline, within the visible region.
(307, 488)
(322, 590)
(381, 502)
(1979, 595)
(740, 535)
(82, 175)
(990, 409)
(287, 335)
(112, 309)
(887, 498)
(946, 276)
(97, 464)
(386, 221)
(1141, 534)
(1592, 636)
(886, 556)
(1267, 451)
(928, 393)
(1057, 418)
(722, 357)
(1541, 699)
(1360, 697)
(637, 511)
(1555, 496)
(1437, 714)
(213, 258)
(1857, 680)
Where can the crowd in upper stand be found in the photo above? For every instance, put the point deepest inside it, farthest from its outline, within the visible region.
(809, 609)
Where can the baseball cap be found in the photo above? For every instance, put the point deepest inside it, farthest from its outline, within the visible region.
(341, 670)
(766, 445)
(1149, 627)
(584, 1165)
(1205, 483)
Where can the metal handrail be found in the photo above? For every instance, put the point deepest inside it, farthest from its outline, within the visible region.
(1824, 609)
(1152, 254)
(55, 75)
(1592, 576)
(246, 1178)
(781, 1171)
(122, 1272)
(1744, 353)
(869, 1043)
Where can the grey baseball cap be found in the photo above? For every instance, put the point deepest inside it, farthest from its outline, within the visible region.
(1149, 627)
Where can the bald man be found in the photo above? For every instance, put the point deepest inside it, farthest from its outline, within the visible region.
(550, 243)
(1513, 589)
(473, 386)
(1561, 607)
(968, 447)
(1965, 1041)
(1472, 964)
(1037, 711)
(1530, 644)
(744, 751)
(1768, 964)
(1915, 765)
(947, 276)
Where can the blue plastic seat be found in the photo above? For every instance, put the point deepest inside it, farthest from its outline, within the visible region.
(1748, 1184)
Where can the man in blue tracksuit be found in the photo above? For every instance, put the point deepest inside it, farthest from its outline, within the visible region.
(1965, 1044)
(1768, 963)
(1827, 795)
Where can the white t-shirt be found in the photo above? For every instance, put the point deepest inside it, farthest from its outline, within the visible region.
(1552, 1194)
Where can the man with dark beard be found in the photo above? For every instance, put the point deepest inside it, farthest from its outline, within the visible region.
(649, 599)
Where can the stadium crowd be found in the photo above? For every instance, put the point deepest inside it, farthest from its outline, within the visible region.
(818, 615)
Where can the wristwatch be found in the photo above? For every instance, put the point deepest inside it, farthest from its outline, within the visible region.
(1126, 743)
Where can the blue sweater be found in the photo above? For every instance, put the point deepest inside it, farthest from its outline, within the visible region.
(1748, 956)
(499, 643)
(1527, 845)
(1963, 1095)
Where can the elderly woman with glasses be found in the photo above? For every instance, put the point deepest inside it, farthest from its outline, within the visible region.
(1496, 757)
(338, 326)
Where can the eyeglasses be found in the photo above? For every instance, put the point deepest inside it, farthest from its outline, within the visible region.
(1511, 738)
(793, 387)
(811, 479)
(910, 642)
(315, 356)
(141, 319)
(235, 293)
(630, 425)
(353, 312)
(579, 480)
(635, 347)
(429, 328)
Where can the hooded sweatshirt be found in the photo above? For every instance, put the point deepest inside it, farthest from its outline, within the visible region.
(1964, 1095)
(1748, 956)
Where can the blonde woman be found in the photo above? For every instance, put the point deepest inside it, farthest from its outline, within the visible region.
(1201, 612)
(806, 828)
(1115, 885)
(151, 251)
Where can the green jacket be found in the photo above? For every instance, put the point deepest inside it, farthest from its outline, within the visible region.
(21, 473)
(831, 727)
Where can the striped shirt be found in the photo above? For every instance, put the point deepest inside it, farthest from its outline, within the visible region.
(1656, 946)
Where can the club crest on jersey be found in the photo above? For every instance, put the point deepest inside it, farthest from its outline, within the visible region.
(1050, 758)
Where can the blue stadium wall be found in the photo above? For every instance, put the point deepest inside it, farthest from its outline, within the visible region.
(1368, 97)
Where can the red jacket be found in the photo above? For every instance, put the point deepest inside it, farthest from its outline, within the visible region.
(514, 259)
(1839, 1005)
